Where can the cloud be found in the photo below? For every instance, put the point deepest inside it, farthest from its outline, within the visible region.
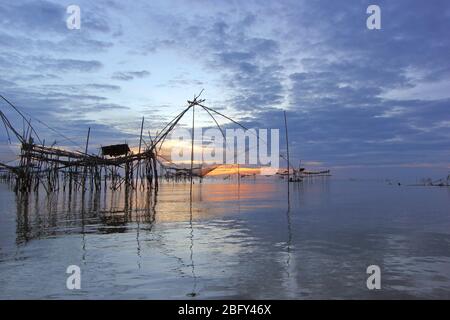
(31, 16)
(98, 86)
(130, 75)
(46, 63)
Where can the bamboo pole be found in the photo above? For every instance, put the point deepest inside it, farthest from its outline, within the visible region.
(287, 145)
(85, 152)
(239, 175)
(139, 152)
(192, 144)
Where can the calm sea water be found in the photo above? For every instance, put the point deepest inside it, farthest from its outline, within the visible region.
(232, 241)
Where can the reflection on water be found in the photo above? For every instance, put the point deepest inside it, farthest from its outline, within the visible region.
(257, 239)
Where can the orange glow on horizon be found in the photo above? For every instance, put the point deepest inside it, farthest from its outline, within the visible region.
(233, 169)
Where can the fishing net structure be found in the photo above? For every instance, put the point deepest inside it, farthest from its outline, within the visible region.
(55, 168)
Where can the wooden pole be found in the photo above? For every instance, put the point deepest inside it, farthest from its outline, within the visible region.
(87, 141)
(140, 139)
(85, 154)
(239, 175)
(287, 145)
(192, 144)
(139, 161)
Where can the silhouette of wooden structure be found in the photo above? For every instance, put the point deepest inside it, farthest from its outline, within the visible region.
(55, 168)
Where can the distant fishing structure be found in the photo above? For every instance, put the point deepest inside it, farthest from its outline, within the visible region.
(298, 174)
(428, 182)
(55, 168)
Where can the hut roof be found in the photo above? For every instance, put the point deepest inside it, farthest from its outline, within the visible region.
(115, 150)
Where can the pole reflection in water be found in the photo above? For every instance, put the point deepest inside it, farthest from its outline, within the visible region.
(83, 234)
(191, 247)
(289, 232)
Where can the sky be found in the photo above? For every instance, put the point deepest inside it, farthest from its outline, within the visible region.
(357, 100)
